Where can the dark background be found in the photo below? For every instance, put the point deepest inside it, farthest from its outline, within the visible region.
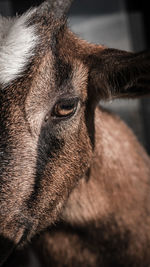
(136, 14)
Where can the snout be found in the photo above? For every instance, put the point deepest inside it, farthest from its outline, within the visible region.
(16, 183)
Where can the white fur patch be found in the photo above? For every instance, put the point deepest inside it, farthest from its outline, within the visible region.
(17, 43)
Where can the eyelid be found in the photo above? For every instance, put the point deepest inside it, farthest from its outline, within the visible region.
(67, 101)
(68, 98)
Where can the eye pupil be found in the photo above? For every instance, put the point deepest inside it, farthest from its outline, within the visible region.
(65, 108)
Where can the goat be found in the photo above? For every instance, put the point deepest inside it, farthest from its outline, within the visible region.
(74, 181)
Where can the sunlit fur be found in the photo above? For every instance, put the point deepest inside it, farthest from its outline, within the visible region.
(17, 43)
(77, 187)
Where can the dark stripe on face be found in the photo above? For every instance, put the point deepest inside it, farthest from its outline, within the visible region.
(63, 69)
(48, 149)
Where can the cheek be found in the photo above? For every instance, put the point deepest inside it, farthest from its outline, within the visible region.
(70, 157)
(61, 163)
(66, 147)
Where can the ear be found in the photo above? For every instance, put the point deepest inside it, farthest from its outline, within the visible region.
(56, 8)
(116, 74)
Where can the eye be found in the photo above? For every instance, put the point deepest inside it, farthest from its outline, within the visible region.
(65, 108)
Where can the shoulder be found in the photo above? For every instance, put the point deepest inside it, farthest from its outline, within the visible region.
(116, 139)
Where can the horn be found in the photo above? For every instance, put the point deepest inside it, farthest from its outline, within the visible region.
(58, 8)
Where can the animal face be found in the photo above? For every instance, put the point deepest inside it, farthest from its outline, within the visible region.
(45, 145)
(50, 84)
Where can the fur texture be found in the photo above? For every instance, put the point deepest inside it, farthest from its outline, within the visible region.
(74, 181)
(17, 43)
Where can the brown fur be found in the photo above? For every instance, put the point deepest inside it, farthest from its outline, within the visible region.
(84, 177)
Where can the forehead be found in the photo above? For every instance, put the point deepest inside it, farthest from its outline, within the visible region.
(56, 75)
(62, 69)
(34, 50)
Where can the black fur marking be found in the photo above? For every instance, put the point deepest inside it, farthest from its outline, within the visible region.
(63, 72)
(48, 148)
